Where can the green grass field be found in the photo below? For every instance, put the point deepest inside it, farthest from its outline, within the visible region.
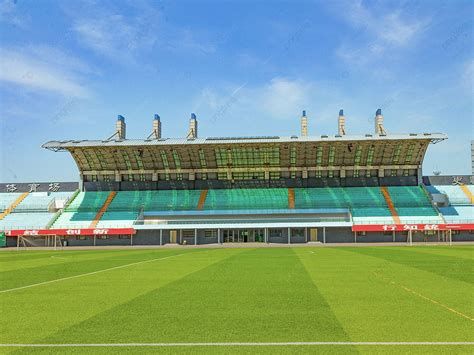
(262, 295)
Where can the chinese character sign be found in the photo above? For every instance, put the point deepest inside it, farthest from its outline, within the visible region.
(33, 187)
(54, 187)
(11, 187)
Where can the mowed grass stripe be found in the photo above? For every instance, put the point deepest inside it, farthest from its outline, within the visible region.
(466, 253)
(14, 255)
(90, 273)
(59, 257)
(79, 264)
(257, 295)
(295, 349)
(455, 268)
(48, 309)
(370, 308)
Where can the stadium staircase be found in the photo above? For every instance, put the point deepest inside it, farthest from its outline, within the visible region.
(390, 205)
(412, 205)
(82, 210)
(14, 205)
(433, 204)
(202, 199)
(60, 211)
(459, 206)
(468, 193)
(291, 198)
(103, 209)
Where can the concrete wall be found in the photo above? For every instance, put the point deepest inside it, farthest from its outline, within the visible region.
(151, 237)
(333, 235)
(463, 237)
(74, 241)
(337, 235)
(112, 240)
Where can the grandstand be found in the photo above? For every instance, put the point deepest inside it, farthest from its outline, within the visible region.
(296, 189)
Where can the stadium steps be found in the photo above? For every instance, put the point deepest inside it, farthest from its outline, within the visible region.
(291, 198)
(71, 199)
(435, 207)
(390, 204)
(12, 207)
(202, 199)
(54, 219)
(455, 195)
(458, 214)
(468, 193)
(103, 209)
(59, 212)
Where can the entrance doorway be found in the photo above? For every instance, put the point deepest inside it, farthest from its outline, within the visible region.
(313, 235)
(173, 237)
(243, 235)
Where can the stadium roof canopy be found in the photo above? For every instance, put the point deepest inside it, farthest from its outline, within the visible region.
(228, 155)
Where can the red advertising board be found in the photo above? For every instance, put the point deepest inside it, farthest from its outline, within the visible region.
(71, 232)
(412, 227)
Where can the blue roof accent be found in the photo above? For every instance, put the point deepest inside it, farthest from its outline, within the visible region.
(120, 118)
(378, 112)
(193, 116)
(304, 113)
(157, 117)
(341, 112)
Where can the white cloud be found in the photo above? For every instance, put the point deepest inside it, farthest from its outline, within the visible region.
(112, 35)
(34, 68)
(112, 31)
(283, 98)
(397, 31)
(127, 34)
(384, 31)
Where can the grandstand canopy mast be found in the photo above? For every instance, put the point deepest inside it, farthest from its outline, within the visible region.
(215, 162)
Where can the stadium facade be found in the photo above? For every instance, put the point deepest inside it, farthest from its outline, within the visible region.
(269, 189)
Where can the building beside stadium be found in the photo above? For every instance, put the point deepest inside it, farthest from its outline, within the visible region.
(269, 189)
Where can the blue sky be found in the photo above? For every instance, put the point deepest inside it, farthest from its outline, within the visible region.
(67, 68)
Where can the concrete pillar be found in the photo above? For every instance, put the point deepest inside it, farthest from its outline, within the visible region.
(156, 133)
(193, 127)
(381, 173)
(195, 237)
(120, 127)
(161, 236)
(289, 235)
(304, 125)
(379, 122)
(81, 182)
(341, 123)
